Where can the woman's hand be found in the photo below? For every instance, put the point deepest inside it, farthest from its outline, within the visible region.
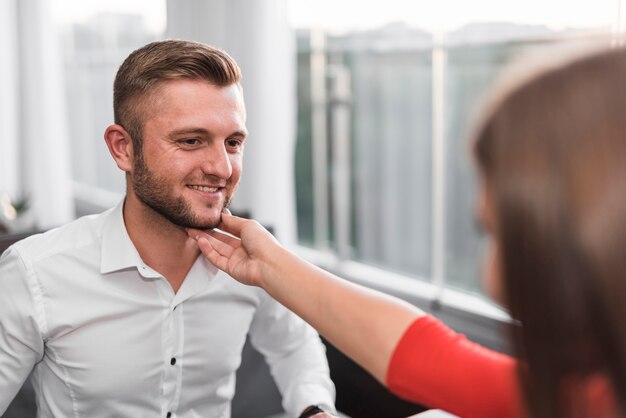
(241, 247)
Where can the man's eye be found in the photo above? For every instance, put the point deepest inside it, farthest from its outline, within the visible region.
(233, 143)
(189, 141)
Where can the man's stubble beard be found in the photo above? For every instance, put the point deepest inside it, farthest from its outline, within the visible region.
(152, 191)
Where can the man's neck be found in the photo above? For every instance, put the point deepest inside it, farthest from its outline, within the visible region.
(163, 246)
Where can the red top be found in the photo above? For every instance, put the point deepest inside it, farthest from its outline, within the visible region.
(436, 367)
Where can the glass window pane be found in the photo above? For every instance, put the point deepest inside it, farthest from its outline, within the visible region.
(392, 175)
(303, 167)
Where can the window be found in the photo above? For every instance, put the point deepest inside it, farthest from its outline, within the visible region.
(385, 102)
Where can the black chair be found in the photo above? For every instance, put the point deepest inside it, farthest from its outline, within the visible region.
(6, 240)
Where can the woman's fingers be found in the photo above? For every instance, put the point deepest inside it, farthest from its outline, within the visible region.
(223, 244)
(226, 239)
(219, 235)
(215, 251)
(232, 224)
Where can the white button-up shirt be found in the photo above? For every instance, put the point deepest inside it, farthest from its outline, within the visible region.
(106, 336)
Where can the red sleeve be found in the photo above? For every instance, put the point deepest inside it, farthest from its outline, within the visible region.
(436, 367)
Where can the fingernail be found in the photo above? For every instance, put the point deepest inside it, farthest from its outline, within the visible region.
(226, 211)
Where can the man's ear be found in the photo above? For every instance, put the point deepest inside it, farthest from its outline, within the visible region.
(120, 146)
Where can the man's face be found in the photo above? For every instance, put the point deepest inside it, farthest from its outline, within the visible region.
(191, 159)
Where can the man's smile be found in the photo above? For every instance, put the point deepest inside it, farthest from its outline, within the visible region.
(206, 189)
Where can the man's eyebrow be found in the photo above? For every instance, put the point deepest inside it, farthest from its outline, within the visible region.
(204, 132)
(187, 131)
(243, 134)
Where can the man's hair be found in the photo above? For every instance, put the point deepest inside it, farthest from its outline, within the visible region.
(552, 154)
(146, 68)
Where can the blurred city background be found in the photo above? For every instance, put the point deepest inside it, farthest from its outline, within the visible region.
(369, 124)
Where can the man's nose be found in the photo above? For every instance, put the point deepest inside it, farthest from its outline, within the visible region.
(216, 162)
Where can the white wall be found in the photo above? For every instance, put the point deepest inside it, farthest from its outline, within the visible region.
(8, 99)
(33, 125)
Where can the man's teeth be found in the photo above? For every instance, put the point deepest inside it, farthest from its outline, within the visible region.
(204, 188)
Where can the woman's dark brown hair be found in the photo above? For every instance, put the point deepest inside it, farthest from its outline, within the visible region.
(552, 155)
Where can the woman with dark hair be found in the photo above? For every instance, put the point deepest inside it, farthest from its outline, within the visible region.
(551, 154)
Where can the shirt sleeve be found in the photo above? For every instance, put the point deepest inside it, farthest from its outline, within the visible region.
(21, 342)
(296, 357)
(434, 366)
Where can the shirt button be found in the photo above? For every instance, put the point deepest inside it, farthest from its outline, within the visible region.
(173, 361)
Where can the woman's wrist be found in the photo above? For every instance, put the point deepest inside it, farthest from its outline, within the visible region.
(276, 262)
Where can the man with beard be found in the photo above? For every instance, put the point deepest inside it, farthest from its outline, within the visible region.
(117, 314)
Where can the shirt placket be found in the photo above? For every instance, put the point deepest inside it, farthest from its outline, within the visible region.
(173, 344)
(173, 359)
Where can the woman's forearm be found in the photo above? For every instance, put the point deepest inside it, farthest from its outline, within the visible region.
(364, 324)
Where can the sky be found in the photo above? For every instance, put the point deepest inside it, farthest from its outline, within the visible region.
(451, 14)
(344, 15)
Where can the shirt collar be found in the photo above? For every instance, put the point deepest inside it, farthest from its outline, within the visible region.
(118, 251)
(200, 276)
